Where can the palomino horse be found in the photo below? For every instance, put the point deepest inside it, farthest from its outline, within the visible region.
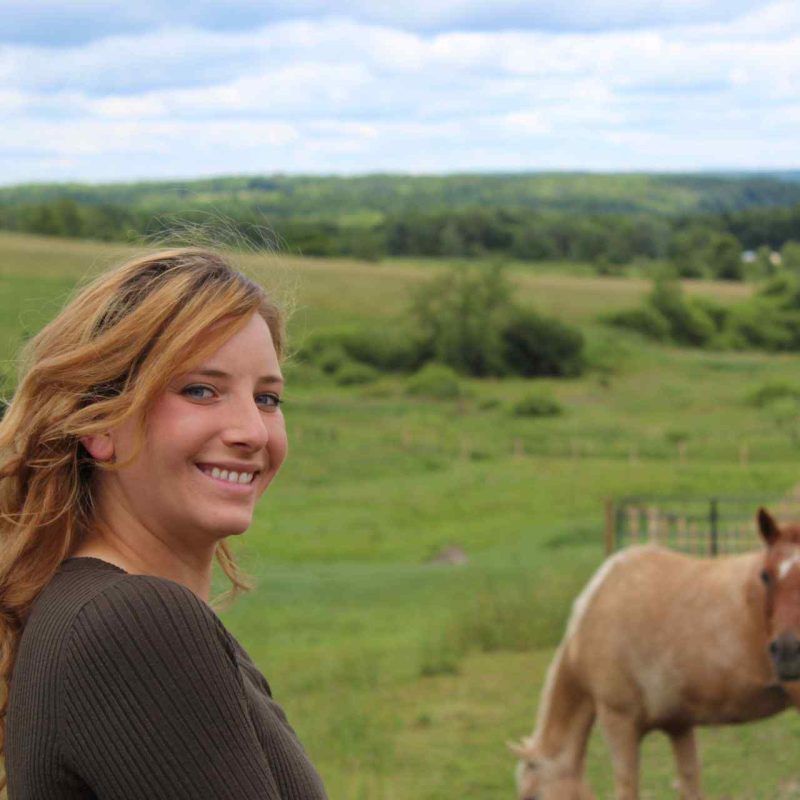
(663, 641)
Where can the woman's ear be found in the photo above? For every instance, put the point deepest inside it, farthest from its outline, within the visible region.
(99, 446)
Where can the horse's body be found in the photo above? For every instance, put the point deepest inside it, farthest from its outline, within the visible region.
(657, 641)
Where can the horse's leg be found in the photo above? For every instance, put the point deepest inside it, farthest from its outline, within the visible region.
(623, 735)
(684, 747)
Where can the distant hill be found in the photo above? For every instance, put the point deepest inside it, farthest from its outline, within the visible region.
(700, 222)
(368, 198)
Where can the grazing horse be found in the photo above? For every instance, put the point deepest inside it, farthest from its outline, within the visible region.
(663, 641)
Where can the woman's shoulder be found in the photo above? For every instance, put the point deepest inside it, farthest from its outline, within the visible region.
(148, 631)
(91, 601)
(148, 604)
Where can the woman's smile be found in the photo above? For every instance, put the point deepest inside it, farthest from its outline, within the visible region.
(241, 482)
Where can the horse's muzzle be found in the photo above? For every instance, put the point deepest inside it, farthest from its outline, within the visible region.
(785, 653)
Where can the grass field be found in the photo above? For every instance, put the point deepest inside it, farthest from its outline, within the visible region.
(405, 678)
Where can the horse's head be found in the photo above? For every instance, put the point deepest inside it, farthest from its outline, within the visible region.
(539, 778)
(780, 575)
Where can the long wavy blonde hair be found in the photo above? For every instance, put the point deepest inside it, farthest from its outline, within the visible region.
(104, 359)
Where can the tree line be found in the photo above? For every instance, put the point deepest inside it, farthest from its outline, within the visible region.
(698, 243)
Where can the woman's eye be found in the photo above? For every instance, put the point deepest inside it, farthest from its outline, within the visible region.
(268, 400)
(197, 392)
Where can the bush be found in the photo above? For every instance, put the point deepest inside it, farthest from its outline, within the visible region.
(537, 404)
(353, 373)
(387, 349)
(645, 320)
(783, 289)
(466, 319)
(668, 315)
(435, 381)
(770, 392)
(762, 326)
(535, 345)
(718, 314)
(689, 323)
(330, 359)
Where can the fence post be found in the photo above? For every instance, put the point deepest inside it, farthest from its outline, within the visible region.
(713, 519)
(610, 526)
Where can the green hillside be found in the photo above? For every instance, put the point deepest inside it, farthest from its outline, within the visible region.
(331, 196)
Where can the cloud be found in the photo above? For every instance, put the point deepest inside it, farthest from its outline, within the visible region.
(66, 22)
(344, 96)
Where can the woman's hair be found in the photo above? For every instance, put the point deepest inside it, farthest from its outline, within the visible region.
(103, 360)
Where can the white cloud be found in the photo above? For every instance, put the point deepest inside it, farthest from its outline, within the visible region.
(60, 21)
(342, 96)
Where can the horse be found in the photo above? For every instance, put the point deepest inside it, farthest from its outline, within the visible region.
(658, 640)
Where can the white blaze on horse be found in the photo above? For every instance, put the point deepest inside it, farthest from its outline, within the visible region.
(663, 641)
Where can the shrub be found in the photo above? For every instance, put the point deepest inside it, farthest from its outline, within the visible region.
(668, 315)
(387, 349)
(645, 320)
(718, 314)
(769, 392)
(435, 381)
(760, 325)
(330, 359)
(467, 320)
(352, 373)
(536, 345)
(784, 289)
(537, 404)
(689, 324)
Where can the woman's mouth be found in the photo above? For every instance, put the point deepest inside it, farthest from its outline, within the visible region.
(231, 478)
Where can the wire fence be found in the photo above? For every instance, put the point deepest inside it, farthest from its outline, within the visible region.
(707, 526)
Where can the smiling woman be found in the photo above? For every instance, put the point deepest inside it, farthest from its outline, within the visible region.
(146, 425)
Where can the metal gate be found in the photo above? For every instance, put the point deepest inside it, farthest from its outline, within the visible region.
(699, 525)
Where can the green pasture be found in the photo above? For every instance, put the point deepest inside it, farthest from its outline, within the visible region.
(405, 677)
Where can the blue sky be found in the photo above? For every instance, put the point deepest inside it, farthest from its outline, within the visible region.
(107, 91)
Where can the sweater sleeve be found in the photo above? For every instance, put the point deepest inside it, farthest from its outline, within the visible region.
(152, 703)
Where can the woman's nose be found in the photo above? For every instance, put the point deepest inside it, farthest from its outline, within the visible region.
(246, 425)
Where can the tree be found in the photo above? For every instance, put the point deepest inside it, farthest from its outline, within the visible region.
(723, 255)
(790, 256)
(459, 317)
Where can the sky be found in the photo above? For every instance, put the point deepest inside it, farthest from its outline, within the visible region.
(116, 91)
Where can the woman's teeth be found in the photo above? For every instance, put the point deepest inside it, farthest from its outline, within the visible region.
(230, 476)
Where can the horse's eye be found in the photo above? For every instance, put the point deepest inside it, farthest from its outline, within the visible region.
(531, 764)
(765, 577)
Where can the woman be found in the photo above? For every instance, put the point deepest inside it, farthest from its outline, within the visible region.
(146, 424)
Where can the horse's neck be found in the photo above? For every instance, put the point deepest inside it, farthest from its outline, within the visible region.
(565, 717)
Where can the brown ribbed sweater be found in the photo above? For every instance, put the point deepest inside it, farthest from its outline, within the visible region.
(129, 687)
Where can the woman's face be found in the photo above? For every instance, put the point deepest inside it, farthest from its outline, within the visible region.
(213, 442)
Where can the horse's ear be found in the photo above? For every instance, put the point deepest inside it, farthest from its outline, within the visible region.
(518, 749)
(767, 526)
